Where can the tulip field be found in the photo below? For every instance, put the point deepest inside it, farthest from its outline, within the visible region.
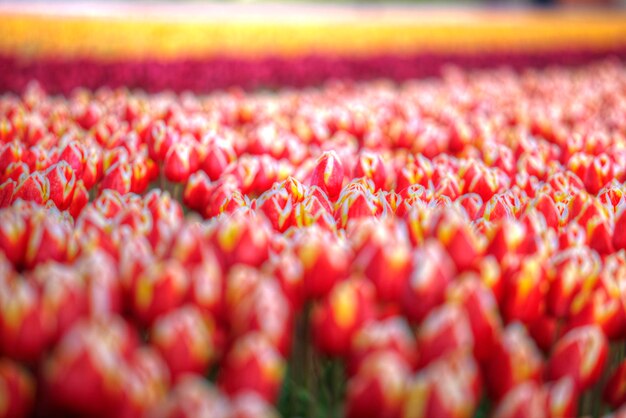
(306, 245)
(430, 249)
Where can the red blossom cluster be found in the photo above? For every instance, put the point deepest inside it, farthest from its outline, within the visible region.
(447, 240)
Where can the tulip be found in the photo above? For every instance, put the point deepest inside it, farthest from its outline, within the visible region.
(429, 393)
(427, 284)
(147, 383)
(580, 354)
(481, 309)
(514, 360)
(161, 288)
(525, 400)
(388, 335)
(181, 160)
(35, 188)
(444, 331)
(252, 364)
(17, 390)
(325, 260)
(85, 373)
(378, 389)
(338, 317)
(184, 339)
(192, 396)
(328, 174)
(13, 235)
(251, 405)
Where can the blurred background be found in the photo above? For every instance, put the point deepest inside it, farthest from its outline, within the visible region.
(202, 46)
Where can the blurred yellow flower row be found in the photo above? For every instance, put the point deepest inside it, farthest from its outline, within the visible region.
(33, 36)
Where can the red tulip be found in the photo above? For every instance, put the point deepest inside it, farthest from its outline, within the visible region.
(444, 331)
(325, 260)
(161, 288)
(86, 371)
(328, 174)
(251, 405)
(118, 177)
(6, 192)
(340, 315)
(191, 397)
(378, 389)
(197, 190)
(220, 154)
(427, 284)
(17, 390)
(35, 188)
(446, 388)
(525, 400)
(13, 235)
(514, 360)
(388, 335)
(184, 338)
(252, 364)
(147, 383)
(580, 354)
(181, 160)
(562, 398)
(481, 309)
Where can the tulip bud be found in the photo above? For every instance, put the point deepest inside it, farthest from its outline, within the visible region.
(250, 405)
(462, 243)
(481, 309)
(13, 235)
(515, 359)
(197, 191)
(427, 284)
(10, 153)
(86, 371)
(562, 398)
(378, 389)
(80, 198)
(328, 174)
(525, 400)
(17, 390)
(371, 166)
(181, 161)
(324, 258)
(243, 238)
(444, 331)
(160, 139)
(6, 193)
(118, 177)
(446, 388)
(220, 153)
(35, 188)
(191, 397)
(74, 154)
(252, 364)
(619, 239)
(277, 206)
(62, 182)
(385, 259)
(207, 288)
(580, 354)
(161, 288)
(184, 339)
(525, 288)
(63, 296)
(348, 307)
(25, 327)
(388, 335)
(49, 238)
(146, 382)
